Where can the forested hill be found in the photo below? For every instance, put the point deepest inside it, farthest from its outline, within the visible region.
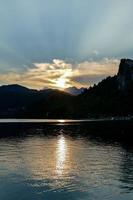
(113, 96)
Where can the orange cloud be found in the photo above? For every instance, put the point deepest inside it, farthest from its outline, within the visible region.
(60, 73)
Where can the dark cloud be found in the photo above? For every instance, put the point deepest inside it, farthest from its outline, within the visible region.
(37, 31)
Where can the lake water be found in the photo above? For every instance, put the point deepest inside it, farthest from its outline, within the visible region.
(61, 162)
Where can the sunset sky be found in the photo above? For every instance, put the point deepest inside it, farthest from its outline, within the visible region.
(63, 43)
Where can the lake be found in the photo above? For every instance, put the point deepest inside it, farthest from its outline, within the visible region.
(64, 162)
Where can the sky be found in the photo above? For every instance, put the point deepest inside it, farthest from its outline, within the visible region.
(59, 43)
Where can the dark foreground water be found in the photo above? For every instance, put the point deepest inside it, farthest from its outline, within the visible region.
(61, 162)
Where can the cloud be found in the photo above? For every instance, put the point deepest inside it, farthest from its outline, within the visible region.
(58, 71)
(89, 72)
(94, 53)
(104, 67)
(92, 28)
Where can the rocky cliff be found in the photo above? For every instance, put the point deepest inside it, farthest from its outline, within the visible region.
(125, 74)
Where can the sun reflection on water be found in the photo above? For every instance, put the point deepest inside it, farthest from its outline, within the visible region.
(61, 120)
(61, 155)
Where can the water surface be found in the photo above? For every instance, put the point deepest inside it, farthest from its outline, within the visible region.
(57, 162)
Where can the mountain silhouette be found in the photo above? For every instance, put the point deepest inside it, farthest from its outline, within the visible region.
(113, 96)
(75, 91)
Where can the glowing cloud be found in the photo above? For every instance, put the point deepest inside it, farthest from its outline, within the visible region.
(60, 74)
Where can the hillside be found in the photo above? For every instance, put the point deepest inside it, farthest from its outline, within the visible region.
(113, 96)
(18, 101)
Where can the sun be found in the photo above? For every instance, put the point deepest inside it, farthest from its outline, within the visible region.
(61, 83)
